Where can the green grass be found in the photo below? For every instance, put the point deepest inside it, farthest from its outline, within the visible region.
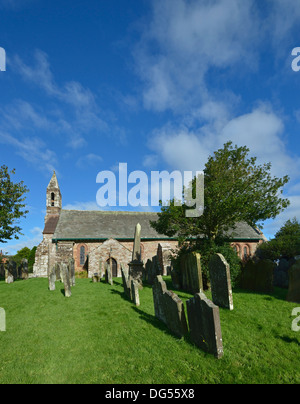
(97, 336)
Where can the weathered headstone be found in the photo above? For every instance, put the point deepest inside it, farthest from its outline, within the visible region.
(72, 271)
(108, 274)
(191, 274)
(2, 270)
(9, 277)
(153, 269)
(66, 280)
(219, 274)
(204, 324)
(25, 272)
(258, 276)
(96, 277)
(135, 292)
(136, 264)
(126, 281)
(52, 279)
(58, 272)
(169, 308)
(294, 283)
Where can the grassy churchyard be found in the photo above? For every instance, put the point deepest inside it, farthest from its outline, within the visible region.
(98, 336)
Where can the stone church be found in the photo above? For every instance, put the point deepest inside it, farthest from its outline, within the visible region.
(91, 237)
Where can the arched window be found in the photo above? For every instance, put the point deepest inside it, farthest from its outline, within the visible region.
(82, 255)
(52, 198)
(245, 252)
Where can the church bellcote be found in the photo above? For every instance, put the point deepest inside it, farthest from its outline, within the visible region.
(54, 200)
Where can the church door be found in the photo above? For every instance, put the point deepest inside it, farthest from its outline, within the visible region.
(113, 267)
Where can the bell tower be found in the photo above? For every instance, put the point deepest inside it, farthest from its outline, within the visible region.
(53, 199)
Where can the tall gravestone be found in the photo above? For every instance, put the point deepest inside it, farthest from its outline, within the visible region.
(66, 280)
(25, 271)
(169, 308)
(294, 283)
(9, 275)
(108, 274)
(204, 324)
(136, 264)
(126, 281)
(219, 275)
(52, 279)
(72, 271)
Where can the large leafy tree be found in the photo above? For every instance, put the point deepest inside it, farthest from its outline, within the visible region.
(236, 189)
(11, 205)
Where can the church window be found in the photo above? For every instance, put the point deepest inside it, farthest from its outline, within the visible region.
(245, 252)
(52, 198)
(82, 255)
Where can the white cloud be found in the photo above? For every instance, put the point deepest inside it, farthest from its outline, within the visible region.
(186, 39)
(89, 160)
(33, 150)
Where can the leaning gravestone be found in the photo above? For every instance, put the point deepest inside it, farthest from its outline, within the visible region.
(66, 280)
(169, 308)
(126, 281)
(219, 274)
(294, 283)
(135, 292)
(204, 323)
(52, 279)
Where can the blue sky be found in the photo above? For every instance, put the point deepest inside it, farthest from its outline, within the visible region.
(159, 85)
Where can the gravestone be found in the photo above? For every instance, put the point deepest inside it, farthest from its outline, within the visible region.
(72, 271)
(9, 276)
(108, 274)
(294, 283)
(204, 324)
(219, 274)
(58, 272)
(136, 264)
(2, 270)
(135, 292)
(52, 279)
(258, 276)
(96, 277)
(25, 272)
(126, 281)
(153, 269)
(66, 280)
(169, 308)
(191, 274)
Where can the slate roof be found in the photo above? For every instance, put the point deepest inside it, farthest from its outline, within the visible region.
(51, 224)
(93, 225)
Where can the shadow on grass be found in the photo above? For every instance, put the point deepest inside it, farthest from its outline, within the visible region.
(287, 339)
(278, 293)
